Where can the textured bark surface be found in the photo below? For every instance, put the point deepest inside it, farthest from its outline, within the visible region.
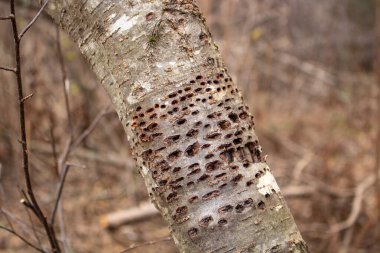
(191, 133)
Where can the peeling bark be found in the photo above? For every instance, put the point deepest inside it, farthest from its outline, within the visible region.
(190, 131)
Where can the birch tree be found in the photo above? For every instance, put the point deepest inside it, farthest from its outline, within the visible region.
(190, 131)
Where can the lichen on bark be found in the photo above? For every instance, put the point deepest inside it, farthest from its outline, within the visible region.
(190, 131)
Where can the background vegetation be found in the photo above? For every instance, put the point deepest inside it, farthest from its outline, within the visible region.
(306, 69)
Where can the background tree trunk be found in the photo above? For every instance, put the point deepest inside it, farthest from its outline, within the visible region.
(188, 126)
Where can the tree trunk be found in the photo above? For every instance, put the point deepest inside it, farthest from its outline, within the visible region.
(190, 131)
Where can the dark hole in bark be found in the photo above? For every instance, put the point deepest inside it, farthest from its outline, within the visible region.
(198, 124)
(203, 177)
(172, 95)
(221, 175)
(204, 146)
(163, 182)
(243, 115)
(193, 233)
(176, 169)
(174, 155)
(147, 155)
(182, 210)
(237, 141)
(194, 166)
(177, 180)
(209, 156)
(196, 171)
(224, 124)
(222, 222)
(171, 197)
(233, 117)
(222, 186)
(169, 140)
(237, 178)
(213, 136)
(239, 208)
(234, 168)
(192, 199)
(228, 155)
(204, 222)
(210, 195)
(149, 16)
(193, 149)
(214, 165)
(261, 205)
(152, 127)
(248, 202)
(192, 133)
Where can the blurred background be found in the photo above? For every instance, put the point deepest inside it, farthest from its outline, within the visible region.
(307, 71)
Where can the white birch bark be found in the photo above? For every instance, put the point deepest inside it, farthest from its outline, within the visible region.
(190, 131)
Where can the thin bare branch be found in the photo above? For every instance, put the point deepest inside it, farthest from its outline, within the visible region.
(33, 20)
(59, 193)
(22, 238)
(8, 69)
(65, 83)
(33, 228)
(53, 146)
(91, 127)
(6, 17)
(63, 159)
(134, 246)
(27, 97)
(32, 204)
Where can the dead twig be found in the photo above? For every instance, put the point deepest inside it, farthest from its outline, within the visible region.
(134, 214)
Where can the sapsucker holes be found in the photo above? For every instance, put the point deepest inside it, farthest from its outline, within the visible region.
(196, 143)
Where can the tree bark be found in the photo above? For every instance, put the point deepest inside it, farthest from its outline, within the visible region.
(189, 129)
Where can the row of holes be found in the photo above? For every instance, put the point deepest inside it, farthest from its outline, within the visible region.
(167, 170)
